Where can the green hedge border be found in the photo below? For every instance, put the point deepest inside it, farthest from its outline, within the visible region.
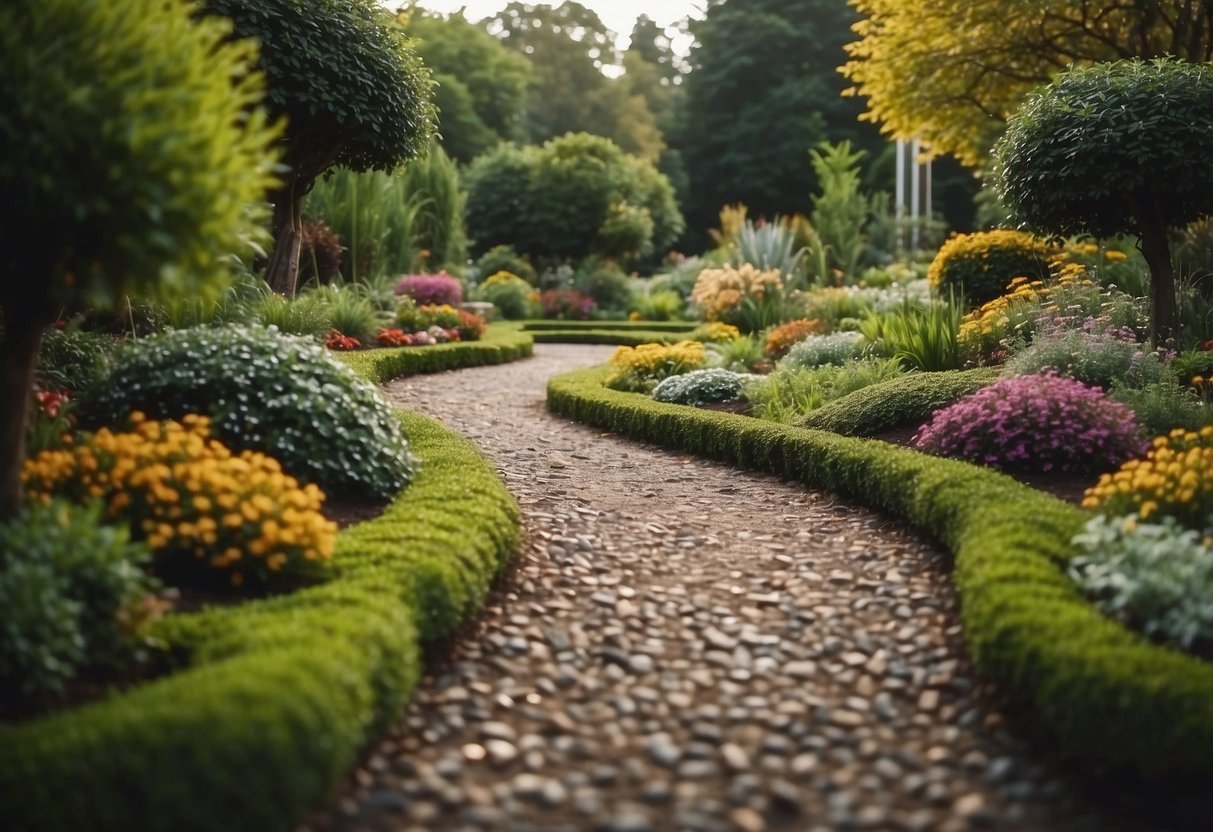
(501, 343)
(612, 326)
(280, 694)
(1101, 692)
(606, 336)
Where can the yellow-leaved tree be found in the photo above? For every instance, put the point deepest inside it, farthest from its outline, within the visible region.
(951, 71)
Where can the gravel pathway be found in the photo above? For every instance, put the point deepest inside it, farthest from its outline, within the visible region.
(684, 646)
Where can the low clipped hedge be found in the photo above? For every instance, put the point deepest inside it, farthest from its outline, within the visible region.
(501, 343)
(1104, 694)
(627, 338)
(906, 400)
(613, 326)
(277, 696)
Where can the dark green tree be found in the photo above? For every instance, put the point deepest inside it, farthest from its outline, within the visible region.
(480, 86)
(129, 164)
(352, 91)
(1116, 148)
(763, 89)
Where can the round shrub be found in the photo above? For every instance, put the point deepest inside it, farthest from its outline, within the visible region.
(1157, 577)
(431, 289)
(1035, 423)
(607, 285)
(1174, 480)
(264, 391)
(201, 508)
(503, 258)
(513, 296)
(71, 590)
(982, 265)
(816, 350)
(701, 387)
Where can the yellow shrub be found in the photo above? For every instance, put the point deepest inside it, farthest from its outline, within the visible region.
(188, 494)
(983, 330)
(715, 332)
(638, 369)
(720, 291)
(1174, 480)
(982, 265)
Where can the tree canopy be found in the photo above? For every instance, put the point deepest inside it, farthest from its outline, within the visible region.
(1121, 147)
(480, 85)
(351, 89)
(950, 72)
(763, 89)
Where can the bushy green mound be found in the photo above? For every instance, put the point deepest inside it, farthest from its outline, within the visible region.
(700, 387)
(908, 400)
(285, 396)
(609, 335)
(1105, 694)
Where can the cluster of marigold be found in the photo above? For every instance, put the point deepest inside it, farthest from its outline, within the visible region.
(191, 497)
(785, 336)
(634, 368)
(1174, 480)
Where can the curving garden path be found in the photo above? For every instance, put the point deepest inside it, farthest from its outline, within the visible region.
(685, 646)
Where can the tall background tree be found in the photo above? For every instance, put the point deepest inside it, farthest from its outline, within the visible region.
(133, 145)
(763, 89)
(351, 89)
(951, 71)
(480, 85)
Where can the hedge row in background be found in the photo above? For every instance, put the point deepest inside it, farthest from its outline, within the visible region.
(501, 343)
(278, 695)
(632, 338)
(1104, 694)
(613, 326)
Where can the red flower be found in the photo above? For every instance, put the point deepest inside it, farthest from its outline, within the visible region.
(394, 337)
(50, 401)
(336, 341)
(1205, 346)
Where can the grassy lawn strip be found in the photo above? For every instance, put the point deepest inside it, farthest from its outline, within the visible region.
(277, 696)
(501, 343)
(1102, 693)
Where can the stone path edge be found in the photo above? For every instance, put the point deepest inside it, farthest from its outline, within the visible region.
(281, 694)
(1104, 695)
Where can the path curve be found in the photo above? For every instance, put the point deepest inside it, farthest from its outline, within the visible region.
(685, 646)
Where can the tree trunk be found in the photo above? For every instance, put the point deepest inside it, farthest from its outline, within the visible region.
(18, 353)
(282, 272)
(1157, 251)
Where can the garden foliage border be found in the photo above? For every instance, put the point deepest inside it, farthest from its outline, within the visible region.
(1102, 693)
(501, 343)
(613, 326)
(279, 695)
(622, 337)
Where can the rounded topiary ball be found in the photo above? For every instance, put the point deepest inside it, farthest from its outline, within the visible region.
(980, 266)
(283, 395)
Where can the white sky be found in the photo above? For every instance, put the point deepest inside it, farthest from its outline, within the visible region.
(618, 15)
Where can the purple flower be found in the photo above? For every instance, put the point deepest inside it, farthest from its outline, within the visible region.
(431, 289)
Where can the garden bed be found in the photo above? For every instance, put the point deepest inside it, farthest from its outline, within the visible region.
(274, 698)
(500, 344)
(1103, 694)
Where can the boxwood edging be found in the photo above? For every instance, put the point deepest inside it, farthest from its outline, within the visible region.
(279, 694)
(633, 338)
(501, 343)
(612, 326)
(1104, 694)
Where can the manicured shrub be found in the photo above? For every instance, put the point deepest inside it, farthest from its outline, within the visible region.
(605, 283)
(71, 591)
(700, 387)
(782, 338)
(815, 350)
(1174, 480)
(72, 359)
(909, 399)
(202, 509)
(1041, 422)
(566, 304)
(980, 266)
(514, 297)
(638, 369)
(1100, 358)
(268, 392)
(1157, 577)
(431, 289)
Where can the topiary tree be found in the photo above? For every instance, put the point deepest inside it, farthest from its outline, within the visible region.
(353, 93)
(1115, 148)
(134, 143)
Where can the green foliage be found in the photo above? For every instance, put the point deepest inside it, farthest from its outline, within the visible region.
(66, 581)
(1091, 358)
(513, 296)
(167, 142)
(1163, 406)
(570, 199)
(269, 392)
(906, 400)
(655, 305)
(743, 354)
(1191, 363)
(1157, 577)
(499, 345)
(768, 245)
(479, 84)
(700, 387)
(297, 316)
(815, 350)
(438, 230)
(503, 258)
(1102, 694)
(346, 310)
(790, 392)
(606, 283)
(71, 359)
(840, 210)
(280, 695)
(924, 337)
